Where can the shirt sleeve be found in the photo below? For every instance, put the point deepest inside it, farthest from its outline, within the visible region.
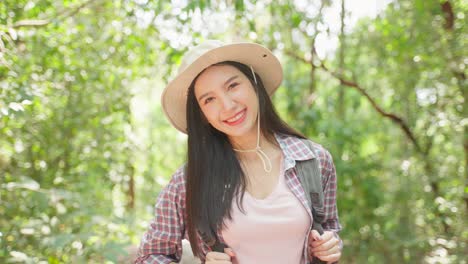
(162, 242)
(329, 184)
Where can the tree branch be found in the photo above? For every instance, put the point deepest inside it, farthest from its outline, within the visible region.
(44, 22)
(291, 53)
(31, 23)
(393, 117)
(448, 14)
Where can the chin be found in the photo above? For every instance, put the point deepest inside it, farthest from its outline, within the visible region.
(240, 132)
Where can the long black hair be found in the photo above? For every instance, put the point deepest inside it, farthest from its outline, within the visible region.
(214, 174)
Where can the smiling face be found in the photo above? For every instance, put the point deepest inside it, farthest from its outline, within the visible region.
(228, 101)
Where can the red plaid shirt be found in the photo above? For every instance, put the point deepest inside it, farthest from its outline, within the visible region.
(162, 242)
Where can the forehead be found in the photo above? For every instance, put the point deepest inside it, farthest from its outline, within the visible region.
(216, 75)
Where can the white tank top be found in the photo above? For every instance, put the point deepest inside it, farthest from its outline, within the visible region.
(272, 230)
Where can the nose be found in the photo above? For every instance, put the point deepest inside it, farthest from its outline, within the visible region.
(227, 102)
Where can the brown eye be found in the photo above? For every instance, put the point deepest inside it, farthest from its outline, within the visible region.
(208, 100)
(232, 85)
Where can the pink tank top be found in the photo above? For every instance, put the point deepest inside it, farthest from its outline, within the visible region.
(272, 230)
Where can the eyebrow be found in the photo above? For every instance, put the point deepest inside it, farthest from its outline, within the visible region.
(225, 83)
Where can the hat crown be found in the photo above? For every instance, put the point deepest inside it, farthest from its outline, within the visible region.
(196, 52)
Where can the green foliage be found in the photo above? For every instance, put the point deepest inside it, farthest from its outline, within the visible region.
(85, 148)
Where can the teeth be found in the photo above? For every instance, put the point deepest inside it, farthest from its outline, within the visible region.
(237, 117)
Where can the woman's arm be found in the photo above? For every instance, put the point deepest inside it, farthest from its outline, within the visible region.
(329, 184)
(328, 246)
(162, 242)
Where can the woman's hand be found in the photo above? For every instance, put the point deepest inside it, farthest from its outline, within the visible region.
(326, 247)
(220, 258)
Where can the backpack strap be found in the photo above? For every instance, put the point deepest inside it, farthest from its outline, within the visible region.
(213, 242)
(310, 176)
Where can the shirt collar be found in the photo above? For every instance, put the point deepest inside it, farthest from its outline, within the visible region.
(294, 148)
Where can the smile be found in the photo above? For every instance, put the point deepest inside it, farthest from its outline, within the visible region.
(237, 119)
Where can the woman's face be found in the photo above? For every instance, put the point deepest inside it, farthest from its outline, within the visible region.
(228, 100)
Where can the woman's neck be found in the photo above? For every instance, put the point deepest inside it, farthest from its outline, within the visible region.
(246, 142)
(245, 147)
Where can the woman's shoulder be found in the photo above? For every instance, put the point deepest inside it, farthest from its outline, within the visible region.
(178, 178)
(317, 149)
(174, 190)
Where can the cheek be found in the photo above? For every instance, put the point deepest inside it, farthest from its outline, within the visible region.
(253, 100)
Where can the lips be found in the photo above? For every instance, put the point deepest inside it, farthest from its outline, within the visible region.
(237, 118)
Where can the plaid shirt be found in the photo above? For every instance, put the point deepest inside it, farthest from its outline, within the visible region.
(162, 242)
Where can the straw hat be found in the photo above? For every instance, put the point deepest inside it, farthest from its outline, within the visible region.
(264, 63)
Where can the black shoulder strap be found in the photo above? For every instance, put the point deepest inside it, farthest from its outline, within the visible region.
(213, 242)
(310, 176)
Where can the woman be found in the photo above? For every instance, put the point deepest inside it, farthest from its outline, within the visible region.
(239, 192)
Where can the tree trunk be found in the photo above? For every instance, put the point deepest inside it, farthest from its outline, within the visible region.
(341, 93)
(448, 12)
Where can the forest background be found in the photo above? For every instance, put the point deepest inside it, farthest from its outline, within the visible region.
(85, 148)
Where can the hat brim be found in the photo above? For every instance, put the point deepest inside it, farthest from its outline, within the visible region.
(265, 64)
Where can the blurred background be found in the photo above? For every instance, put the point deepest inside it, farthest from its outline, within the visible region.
(85, 148)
